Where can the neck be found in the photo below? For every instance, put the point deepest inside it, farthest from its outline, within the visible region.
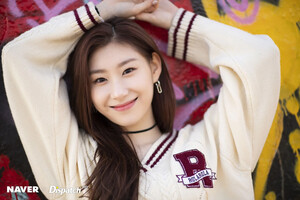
(140, 131)
(145, 138)
(142, 141)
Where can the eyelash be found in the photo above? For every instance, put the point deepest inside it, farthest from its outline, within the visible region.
(99, 80)
(126, 71)
(131, 69)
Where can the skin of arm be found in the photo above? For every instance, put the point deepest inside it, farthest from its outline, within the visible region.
(162, 16)
(128, 8)
(157, 13)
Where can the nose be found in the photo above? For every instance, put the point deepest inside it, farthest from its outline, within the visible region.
(118, 90)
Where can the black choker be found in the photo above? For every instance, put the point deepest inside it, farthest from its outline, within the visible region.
(144, 130)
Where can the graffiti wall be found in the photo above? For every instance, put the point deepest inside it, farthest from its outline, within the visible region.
(277, 175)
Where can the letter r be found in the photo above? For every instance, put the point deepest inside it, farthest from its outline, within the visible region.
(190, 168)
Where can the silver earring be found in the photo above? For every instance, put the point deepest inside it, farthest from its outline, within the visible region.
(158, 87)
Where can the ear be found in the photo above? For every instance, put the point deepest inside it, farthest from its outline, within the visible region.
(155, 67)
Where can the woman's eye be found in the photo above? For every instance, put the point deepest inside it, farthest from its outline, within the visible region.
(127, 71)
(99, 80)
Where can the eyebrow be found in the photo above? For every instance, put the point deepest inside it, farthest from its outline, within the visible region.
(119, 65)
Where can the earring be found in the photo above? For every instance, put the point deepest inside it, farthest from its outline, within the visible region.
(158, 87)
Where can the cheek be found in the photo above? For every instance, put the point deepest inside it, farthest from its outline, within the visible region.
(144, 85)
(144, 78)
(98, 96)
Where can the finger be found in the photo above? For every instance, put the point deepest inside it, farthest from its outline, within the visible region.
(153, 7)
(150, 10)
(143, 6)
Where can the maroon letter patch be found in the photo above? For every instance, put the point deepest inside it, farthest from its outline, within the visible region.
(194, 165)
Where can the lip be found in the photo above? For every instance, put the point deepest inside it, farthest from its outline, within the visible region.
(124, 106)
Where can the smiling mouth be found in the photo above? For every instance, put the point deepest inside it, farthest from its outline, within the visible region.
(124, 106)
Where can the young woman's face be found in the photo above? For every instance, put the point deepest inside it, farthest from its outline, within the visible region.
(122, 82)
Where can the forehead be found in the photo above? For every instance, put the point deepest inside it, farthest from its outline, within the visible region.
(113, 54)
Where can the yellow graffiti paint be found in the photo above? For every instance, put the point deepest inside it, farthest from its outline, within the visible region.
(267, 155)
(294, 140)
(280, 23)
(270, 196)
(297, 170)
(292, 105)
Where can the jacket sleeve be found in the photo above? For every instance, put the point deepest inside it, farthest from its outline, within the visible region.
(33, 66)
(237, 125)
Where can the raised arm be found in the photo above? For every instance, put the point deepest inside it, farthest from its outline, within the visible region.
(249, 66)
(33, 66)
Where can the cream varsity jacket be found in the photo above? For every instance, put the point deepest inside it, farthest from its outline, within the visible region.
(210, 160)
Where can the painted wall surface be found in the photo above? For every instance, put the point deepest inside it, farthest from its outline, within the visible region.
(277, 175)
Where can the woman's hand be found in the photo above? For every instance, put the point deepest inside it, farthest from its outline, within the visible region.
(162, 16)
(125, 8)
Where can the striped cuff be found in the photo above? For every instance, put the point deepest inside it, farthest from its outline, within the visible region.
(86, 16)
(179, 34)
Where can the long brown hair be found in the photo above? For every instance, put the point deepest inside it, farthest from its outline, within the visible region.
(116, 175)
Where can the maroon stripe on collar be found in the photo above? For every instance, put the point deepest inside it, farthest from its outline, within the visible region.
(158, 148)
(79, 21)
(186, 39)
(165, 150)
(90, 14)
(175, 33)
(144, 169)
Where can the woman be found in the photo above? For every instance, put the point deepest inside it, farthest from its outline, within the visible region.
(113, 78)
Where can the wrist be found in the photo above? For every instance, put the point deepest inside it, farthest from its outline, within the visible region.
(173, 13)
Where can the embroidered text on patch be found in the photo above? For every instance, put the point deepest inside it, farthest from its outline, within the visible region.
(194, 165)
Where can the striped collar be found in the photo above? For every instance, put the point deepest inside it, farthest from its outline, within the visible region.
(158, 150)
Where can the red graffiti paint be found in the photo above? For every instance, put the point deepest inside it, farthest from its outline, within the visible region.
(198, 114)
(19, 16)
(11, 177)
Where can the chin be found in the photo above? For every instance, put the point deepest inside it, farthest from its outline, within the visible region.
(125, 122)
